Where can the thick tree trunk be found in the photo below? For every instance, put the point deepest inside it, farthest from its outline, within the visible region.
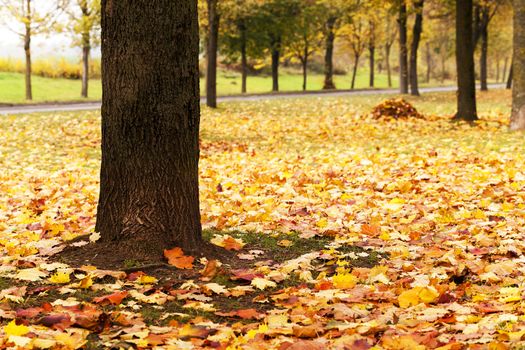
(329, 54)
(387, 63)
(465, 62)
(416, 36)
(149, 194)
(517, 119)
(244, 58)
(211, 54)
(429, 62)
(403, 61)
(85, 70)
(354, 72)
(276, 54)
(371, 59)
(484, 36)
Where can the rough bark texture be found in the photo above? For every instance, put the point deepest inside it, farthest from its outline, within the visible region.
(484, 36)
(403, 61)
(465, 62)
(416, 36)
(211, 54)
(149, 197)
(329, 54)
(244, 58)
(517, 120)
(27, 50)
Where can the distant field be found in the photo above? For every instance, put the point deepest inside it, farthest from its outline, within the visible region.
(228, 83)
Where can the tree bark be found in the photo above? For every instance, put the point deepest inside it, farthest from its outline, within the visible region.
(429, 62)
(149, 194)
(517, 119)
(211, 54)
(354, 72)
(85, 69)
(403, 61)
(27, 50)
(276, 54)
(329, 54)
(244, 58)
(484, 36)
(416, 36)
(465, 62)
(387, 63)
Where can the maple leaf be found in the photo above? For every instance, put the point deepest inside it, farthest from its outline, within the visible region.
(60, 277)
(262, 283)
(113, 299)
(177, 258)
(13, 329)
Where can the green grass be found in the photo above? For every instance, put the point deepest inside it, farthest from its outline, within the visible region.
(12, 86)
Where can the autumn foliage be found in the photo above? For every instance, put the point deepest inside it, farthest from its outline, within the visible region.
(395, 108)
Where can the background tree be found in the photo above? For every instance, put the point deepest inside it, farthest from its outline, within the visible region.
(484, 11)
(465, 62)
(416, 36)
(355, 33)
(211, 53)
(517, 120)
(149, 197)
(26, 20)
(84, 16)
(403, 57)
(389, 28)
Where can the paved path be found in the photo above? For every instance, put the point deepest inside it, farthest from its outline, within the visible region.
(84, 106)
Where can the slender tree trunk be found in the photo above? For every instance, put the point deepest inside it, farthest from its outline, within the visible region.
(304, 62)
(484, 36)
(149, 194)
(244, 58)
(509, 79)
(517, 119)
(371, 58)
(354, 72)
(465, 62)
(329, 54)
(276, 54)
(27, 50)
(497, 69)
(429, 62)
(387, 63)
(505, 64)
(211, 54)
(443, 67)
(403, 62)
(416, 36)
(85, 66)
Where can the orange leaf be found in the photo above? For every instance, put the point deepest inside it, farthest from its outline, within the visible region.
(210, 270)
(114, 299)
(177, 258)
(231, 244)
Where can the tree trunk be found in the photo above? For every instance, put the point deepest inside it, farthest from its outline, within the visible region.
(509, 79)
(276, 53)
(443, 68)
(429, 62)
(244, 58)
(465, 62)
(484, 36)
(371, 58)
(517, 119)
(304, 62)
(211, 54)
(403, 62)
(497, 69)
(416, 36)
(85, 69)
(505, 64)
(354, 73)
(387, 63)
(149, 194)
(329, 54)
(27, 50)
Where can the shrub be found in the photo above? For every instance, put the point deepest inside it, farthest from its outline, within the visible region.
(52, 68)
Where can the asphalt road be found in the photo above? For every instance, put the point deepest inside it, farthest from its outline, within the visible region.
(84, 106)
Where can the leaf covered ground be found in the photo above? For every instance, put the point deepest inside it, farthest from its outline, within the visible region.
(349, 232)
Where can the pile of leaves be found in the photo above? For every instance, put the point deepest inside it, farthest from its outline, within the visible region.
(412, 238)
(395, 108)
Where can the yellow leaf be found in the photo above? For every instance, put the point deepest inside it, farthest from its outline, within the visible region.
(13, 329)
(60, 277)
(409, 297)
(262, 283)
(344, 281)
(145, 279)
(428, 295)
